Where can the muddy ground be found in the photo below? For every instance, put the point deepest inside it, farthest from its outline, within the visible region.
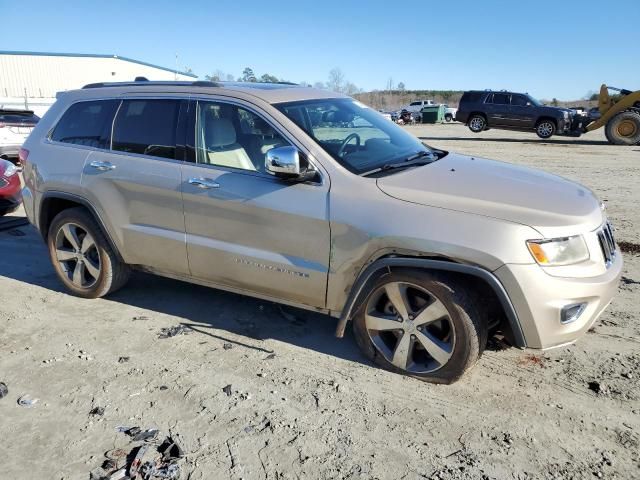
(302, 404)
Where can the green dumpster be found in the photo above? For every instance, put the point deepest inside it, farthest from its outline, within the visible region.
(433, 114)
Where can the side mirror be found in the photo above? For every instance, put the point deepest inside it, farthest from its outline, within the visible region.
(284, 162)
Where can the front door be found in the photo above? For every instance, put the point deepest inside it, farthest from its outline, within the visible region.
(245, 228)
(522, 111)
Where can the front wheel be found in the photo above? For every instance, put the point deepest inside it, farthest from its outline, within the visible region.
(624, 128)
(477, 123)
(448, 117)
(424, 325)
(545, 129)
(81, 256)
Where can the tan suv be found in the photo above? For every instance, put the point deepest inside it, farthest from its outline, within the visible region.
(312, 199)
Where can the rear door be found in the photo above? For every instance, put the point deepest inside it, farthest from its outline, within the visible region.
(135, 184)
(246, 229)
(497, 108)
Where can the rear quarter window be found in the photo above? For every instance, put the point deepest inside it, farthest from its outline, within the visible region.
(470, 97)
(86, 123)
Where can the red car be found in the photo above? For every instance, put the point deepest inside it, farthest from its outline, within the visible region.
(10, 188)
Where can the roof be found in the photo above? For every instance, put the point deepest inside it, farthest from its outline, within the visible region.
(93, 55)
(269, 92)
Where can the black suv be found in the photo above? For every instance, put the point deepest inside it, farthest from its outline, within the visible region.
(480, 110)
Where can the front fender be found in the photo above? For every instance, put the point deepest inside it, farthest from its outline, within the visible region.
(359, 290)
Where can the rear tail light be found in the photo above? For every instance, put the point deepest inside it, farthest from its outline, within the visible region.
(23, 155)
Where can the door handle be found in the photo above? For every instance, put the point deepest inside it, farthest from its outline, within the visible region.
(204, 183)
(102, 166)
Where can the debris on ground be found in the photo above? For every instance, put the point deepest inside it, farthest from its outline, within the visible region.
(531, 359)
(227, 346)
(599, 388)
(123, 359)
(27, 401)
(97, 411)
(169, 332)
(227, 390)
(4, 390)
(149, 461)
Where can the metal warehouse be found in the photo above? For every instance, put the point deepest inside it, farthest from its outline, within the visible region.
(32, 79)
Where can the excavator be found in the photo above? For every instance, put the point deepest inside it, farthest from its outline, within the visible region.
(620, 116)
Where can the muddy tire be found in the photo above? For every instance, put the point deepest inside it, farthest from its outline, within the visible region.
(545, 128)
(81, 256)
(477, 123)
(623, 128)
(425, 325)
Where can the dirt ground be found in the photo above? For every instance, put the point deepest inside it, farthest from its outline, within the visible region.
(302, 404)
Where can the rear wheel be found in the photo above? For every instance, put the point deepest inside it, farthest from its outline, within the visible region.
(477, 123)
(448, 117)
(545, 128)
(624, 128)
(82, 257)
(421, 324)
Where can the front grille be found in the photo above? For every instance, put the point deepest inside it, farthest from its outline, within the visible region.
(607, 243)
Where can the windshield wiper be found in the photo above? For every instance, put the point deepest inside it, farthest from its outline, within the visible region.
(408, 162)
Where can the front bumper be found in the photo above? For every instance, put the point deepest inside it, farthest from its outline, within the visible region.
(539, 298)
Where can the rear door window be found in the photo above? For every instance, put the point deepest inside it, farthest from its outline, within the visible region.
(500, 99)
(147, 127)
(86, 123)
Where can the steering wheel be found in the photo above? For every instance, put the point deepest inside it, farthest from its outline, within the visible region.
(344, 143)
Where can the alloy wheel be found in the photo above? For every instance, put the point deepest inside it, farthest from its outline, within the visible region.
(477, 124)
(77, 255)
(545, 129)
(410, 327)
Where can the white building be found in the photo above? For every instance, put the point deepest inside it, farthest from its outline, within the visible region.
(32, 79)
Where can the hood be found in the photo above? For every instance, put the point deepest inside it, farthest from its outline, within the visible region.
(550, 204)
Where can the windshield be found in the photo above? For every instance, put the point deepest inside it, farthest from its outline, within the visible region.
(535, 101)
(355, 135)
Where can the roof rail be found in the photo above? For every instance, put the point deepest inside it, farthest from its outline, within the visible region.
(143, 82)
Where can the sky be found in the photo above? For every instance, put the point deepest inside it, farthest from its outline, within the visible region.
(561, 49)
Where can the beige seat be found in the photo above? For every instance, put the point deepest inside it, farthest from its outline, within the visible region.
(221, 146)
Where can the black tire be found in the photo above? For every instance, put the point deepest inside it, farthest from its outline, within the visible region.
(546, 128)
(477, 123)
(113, 272)
(623, 128)
(448, 117)
(466, 314)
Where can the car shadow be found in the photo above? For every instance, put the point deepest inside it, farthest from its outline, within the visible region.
(227, 317)
(554, 141)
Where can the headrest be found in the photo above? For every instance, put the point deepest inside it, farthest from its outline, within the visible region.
(219, 132)
(262, 126)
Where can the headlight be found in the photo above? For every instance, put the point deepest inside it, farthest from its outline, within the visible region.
(566, 115)
(559, 251)
(10, 170)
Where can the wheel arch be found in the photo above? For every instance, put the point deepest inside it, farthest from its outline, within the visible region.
(53, 203)
(390, 263)
(546, 117)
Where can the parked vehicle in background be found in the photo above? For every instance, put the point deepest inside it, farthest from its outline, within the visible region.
(9, 187)
(449, 113)
(386, 115)
(418, 105)
(309, 198)
(481, 110)
(15, 127)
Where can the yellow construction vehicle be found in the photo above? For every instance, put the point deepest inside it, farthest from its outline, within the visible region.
(619, 116)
